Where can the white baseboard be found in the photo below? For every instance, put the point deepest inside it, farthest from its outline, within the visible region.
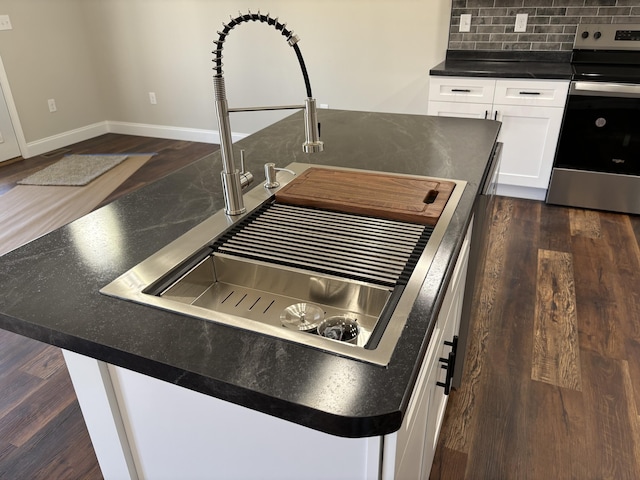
(521, 192)
(65, 139)
(169, 132)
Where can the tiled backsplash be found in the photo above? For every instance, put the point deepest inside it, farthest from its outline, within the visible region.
(551, 24)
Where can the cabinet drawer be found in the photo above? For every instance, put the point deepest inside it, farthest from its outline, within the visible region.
(543, 93)
(461, 89)
(460, 110)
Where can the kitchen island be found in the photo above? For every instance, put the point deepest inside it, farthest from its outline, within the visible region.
(51, 293)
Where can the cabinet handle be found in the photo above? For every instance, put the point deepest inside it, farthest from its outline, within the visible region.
(486, 114)
(449, 364)
(461, 90)
(529, 93)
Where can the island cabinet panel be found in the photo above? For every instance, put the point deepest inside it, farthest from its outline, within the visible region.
(173, 432)
(145, 428)
(408, 453)
(531, 113)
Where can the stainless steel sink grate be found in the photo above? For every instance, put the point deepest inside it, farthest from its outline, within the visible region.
(347, 245)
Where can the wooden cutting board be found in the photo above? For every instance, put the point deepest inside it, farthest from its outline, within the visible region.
(397, 197)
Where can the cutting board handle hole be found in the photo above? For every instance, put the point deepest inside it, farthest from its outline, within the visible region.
(431, 197)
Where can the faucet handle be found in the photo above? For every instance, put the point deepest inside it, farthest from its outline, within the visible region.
(242, 169)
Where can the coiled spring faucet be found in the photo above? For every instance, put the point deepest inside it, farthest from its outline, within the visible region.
(233, 180)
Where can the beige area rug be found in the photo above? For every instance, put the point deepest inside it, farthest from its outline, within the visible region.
(28, 211)
(74, 170)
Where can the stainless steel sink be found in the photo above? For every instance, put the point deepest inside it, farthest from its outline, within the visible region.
(282, 270)
(276, 296)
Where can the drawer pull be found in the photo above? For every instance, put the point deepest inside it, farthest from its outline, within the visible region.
(449, 364)
(461, 90)
(529, 93)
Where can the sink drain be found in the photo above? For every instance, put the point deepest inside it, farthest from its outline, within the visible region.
(304, 317)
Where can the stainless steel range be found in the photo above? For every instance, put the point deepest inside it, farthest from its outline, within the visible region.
(597, 162)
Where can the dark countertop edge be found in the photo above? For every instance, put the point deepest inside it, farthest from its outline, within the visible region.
(378, 423)
(342, 426)
(526, 65)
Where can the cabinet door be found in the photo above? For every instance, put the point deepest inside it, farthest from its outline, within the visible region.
(411, 440)
(530, 136)
(461, 110)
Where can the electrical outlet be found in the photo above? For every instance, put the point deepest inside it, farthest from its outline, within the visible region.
(465, 22)
(5, 22)
(1, 138)
(521, 22)
(152, 98)
(52, 105)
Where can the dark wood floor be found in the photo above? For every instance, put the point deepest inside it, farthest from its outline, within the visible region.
(551, 388)
(42, 432)
(552, 383)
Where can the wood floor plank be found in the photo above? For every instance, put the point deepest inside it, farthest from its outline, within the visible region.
(448, 464)
(555, 229)
(599, 327)
(557, 433)
(43, 405)
(17, 386)
(45, 364)
(635, 224)
(585, 223)
(609, 435)
(556, 353)
(632, 349)
(500, 439)
(54, 453)
(461, 409)
(13, 351)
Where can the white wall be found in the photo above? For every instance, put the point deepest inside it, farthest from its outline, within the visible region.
(370, 55)
(45, 56)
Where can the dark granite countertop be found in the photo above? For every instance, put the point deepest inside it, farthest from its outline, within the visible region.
(50, 286)
(525, 65)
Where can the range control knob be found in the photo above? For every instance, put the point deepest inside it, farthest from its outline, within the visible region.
(597, 35)
(585, 34)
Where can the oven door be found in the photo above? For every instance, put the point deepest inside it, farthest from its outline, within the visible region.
(597, 162)
(600, 130)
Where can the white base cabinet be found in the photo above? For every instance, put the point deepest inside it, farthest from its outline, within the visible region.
(144, 428)
(531, 114)
(415, 442)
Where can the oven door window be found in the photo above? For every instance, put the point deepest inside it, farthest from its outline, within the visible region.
(601, 134)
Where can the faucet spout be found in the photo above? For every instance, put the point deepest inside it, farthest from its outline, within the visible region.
(312, 142)
(233, 180)
(231, 176)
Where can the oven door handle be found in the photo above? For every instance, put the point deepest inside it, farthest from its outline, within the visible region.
(605, 89)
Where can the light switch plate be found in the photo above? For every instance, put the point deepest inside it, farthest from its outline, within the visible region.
(5, 22)
(465, 22)
(521, 22)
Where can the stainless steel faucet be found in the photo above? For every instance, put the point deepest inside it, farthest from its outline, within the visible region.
(234, 180)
